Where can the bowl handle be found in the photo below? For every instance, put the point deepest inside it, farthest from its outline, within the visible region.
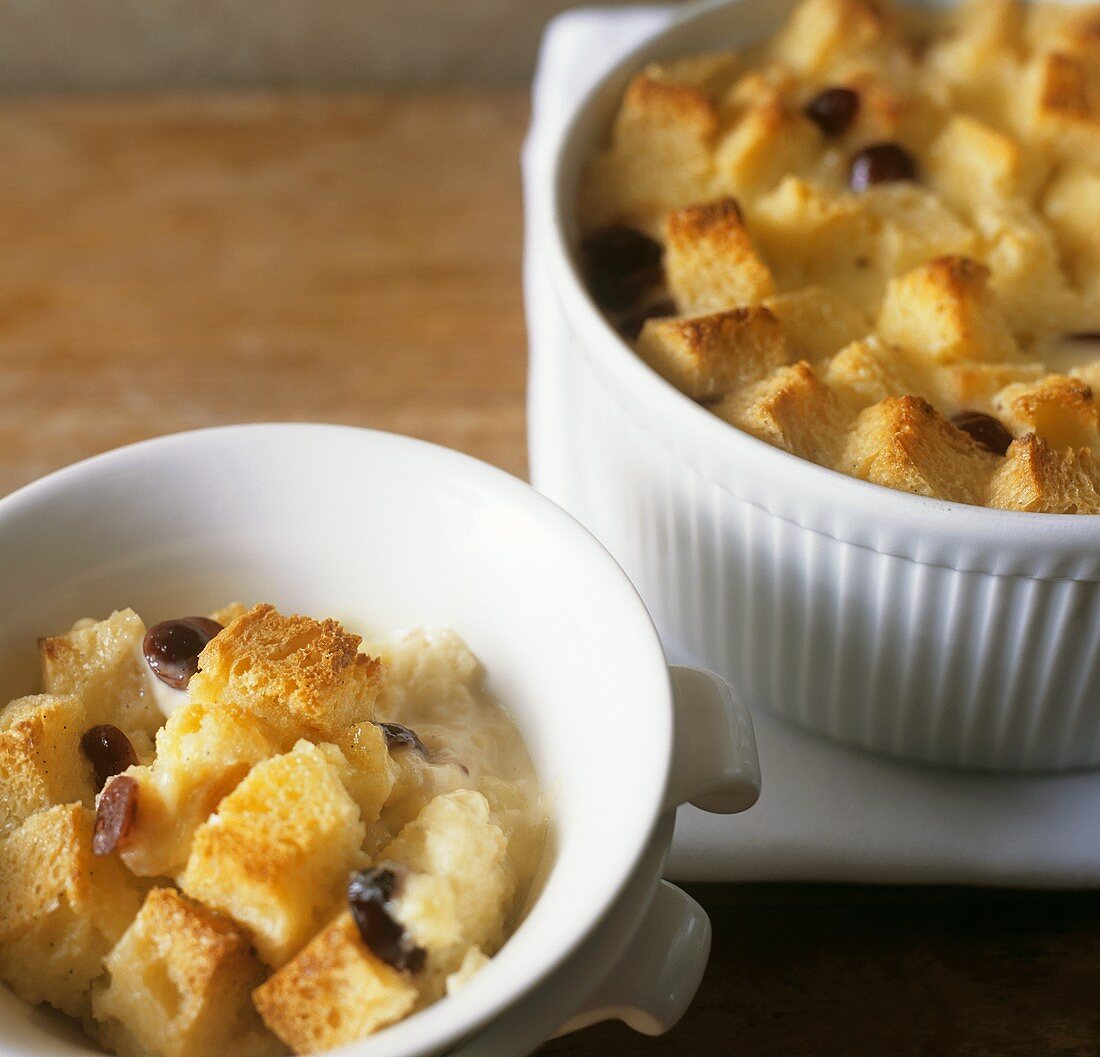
(653, 983)
(714, 760)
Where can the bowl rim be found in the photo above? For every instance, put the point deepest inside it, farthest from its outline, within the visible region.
(708, 443)
(451, 1018)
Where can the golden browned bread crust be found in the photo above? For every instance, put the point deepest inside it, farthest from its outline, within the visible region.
(302, 675)
(334, 992)
(179, 982)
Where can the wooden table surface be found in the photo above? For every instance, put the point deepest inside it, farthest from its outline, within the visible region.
(173, 263)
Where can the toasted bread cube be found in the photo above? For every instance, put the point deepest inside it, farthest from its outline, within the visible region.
(1071, 206)
(101, 662)
(707, 356)
(661, 155)
(62, 908)
(970, 162)
(945, 312)
(710, 260)
(458, 889)
(1062, 94)
(817, 322)
(792, 409)
(276, 855)
(1057, 408)
(866, 372)
(303, 676)
(901, 442)
(203, 752)
(769, 140)
(41, 761)
(1037, 478)
(333, 992)
(180, 983)
(812, 235)
(820, 34)
(1026, 271)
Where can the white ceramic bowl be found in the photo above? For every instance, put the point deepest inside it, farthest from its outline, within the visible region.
(930, 630)
(384, 532)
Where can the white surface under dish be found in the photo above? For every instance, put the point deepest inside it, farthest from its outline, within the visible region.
(384, 532)
(828, 812)
(947, 633)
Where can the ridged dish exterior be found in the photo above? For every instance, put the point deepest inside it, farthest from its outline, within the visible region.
(929, 630)
(920, 660)
(934, 631)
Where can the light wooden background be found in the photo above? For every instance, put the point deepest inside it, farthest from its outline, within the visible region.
(150, 44)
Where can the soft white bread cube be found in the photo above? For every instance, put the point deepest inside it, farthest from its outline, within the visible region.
(892, 108)
(816, 322)
(333, 992)
(457, 891)
(366, 767)
(1036, 477)
(868, 371)
(62, 908)
(203, 752)
(1062, 97)
(971, 386)
(41, 761)
(276, 855)
(101, 662)
(769, 139)
(970, 162)
(661, 154)
(1026, 271)
(1056, 408)
(944, 311)
(305, 677)
(433, 677)
(707, 356)
(792, 409)
(179, 985)
(978, 57)
(1071, 206)
(821, 34)
(710, 260)
(917, 226)
(813, 235)
(903, 443)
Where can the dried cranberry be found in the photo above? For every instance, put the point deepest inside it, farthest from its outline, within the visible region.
(109, 750)
(399, 736)
(833, 109)
(114, 814)
(985, 429)
(368, 893)
(172, 648)
(880, 163)
(621, 265)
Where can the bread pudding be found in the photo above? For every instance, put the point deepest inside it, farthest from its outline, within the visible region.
(871, 241)
(244, 833)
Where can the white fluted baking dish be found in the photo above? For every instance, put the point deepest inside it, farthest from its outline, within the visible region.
(947, 633)
(386, 532)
